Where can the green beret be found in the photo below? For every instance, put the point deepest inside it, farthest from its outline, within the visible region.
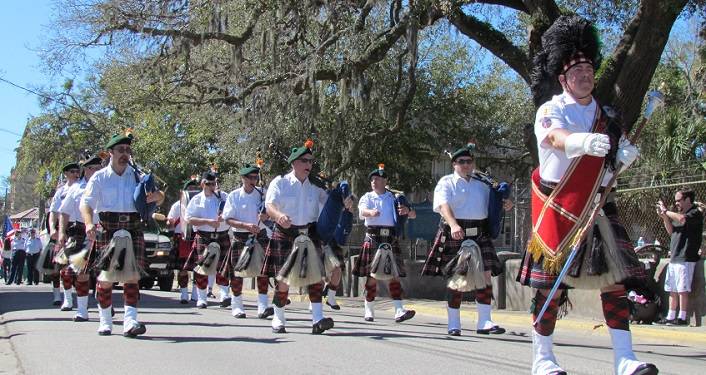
(466, 150)
(247, 169)
(70, 166)
(119, 139)
(379, 171)
(92, 161)
(190, 182)
(298, 152)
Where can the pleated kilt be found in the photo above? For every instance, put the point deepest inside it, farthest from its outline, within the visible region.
(373, 238)
(591, 257)
(205, 238)
(76, 231)
(238, 244)
(280, 246)
(445, 248)
(181, 249)
(79, 234)
(131, 222)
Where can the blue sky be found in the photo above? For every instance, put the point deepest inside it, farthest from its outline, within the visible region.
(21, 27)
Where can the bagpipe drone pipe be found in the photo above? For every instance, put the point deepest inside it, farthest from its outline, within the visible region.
(499, 191)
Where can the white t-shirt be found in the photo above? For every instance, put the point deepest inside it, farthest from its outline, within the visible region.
(385, 203)
(561, 112)
(468, 199)
(203, 207)
(301, 201)
(175, 213)
(244, 207)
(109, 192)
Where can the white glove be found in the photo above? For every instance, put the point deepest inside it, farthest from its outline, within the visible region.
(627, 153)
(594, 144)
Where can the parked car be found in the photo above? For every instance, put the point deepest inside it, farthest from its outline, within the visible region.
(157, 248)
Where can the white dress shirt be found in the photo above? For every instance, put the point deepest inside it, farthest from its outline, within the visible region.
(468, 199)
(175, 213)
(71, 202)
(301, 202)
(385, 203)
(33, 245)
(59, 197)
(562, 112)
(109, 192)
(203, 207)
(244, 207)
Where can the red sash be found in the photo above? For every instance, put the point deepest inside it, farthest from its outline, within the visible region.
(557, 218)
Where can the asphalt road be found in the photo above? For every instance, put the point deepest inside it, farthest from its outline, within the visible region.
(37, 338)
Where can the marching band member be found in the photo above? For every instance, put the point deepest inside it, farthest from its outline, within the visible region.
(381, 249)
(579, 146)
(71, 173)
(294, 254)
(243, 213)
(462, 240)
(72, 226)
(109, 192)
(205, 214)
(182, 242)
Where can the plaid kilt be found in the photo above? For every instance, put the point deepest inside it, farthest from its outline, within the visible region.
(280, 246)
(111, 224)
(373, 239)
(181, 249)
(79, 234)
(238, 244)
(445, 248)
(76, 231)
(532, 273)
(205, 238)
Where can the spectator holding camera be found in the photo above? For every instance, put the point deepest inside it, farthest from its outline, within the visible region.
(685, 226)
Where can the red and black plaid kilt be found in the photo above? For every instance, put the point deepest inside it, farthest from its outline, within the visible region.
(445, 248)
(239, 239)
(79, 234)
(182, 248)
(532, 273)
(110, 221)
(205, 238)
(373, 239)
(280, 246)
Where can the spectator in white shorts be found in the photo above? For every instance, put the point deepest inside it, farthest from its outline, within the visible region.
(685, 227)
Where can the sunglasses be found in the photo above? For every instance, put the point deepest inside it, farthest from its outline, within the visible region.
(123, 150)
(253, 177)
(464, 161)
(307, 160)
(210, 183)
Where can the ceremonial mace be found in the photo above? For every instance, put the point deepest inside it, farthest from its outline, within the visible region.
(655, 99)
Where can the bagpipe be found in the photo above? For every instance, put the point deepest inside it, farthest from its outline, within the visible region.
(499, 191)
(252, 257)
(146, 184)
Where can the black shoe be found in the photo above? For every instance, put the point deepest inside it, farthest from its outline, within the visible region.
(112, 312)
(279, 329)
(135, 331)
(267, 313)
(289, 301)
(677, 322)
(210, 295)
(454, 332)
(409, 314)
(56, 303)
(202, 306)
(78, 318)
(321, 326)
(369, 319)
(646, 369)
(335, 307)
(666, 322)
(226, 302)
(239, 315)
(104, 333)
(496, 330)
(184, 302)
(66, 308)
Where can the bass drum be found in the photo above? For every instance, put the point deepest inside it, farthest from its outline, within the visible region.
(186, 196)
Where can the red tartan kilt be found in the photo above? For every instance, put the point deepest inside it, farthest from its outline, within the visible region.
(280, 246)
(361, 267)
(442, 252)
(138, 238)
(532, 273)
(221, 238)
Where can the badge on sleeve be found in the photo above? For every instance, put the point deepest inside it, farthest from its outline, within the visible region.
(546, 122)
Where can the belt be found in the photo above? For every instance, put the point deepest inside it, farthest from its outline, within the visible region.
(212, 235)
(471, 227)
(381, 231)
(121, 217)
(295, 230)
(546, 187)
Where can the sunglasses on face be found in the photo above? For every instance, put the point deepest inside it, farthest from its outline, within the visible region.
(123, 150)
(210, 183)
(254, 177)
(306, 160)
(464, 161)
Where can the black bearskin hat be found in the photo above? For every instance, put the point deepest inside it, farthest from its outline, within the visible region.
(568, 41)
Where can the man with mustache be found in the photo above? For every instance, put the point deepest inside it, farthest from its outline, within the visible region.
(109, 192)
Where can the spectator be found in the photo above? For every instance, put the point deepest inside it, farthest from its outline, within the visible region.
(685, 227)
(18, 258)
(34, 247)
(6, 259)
